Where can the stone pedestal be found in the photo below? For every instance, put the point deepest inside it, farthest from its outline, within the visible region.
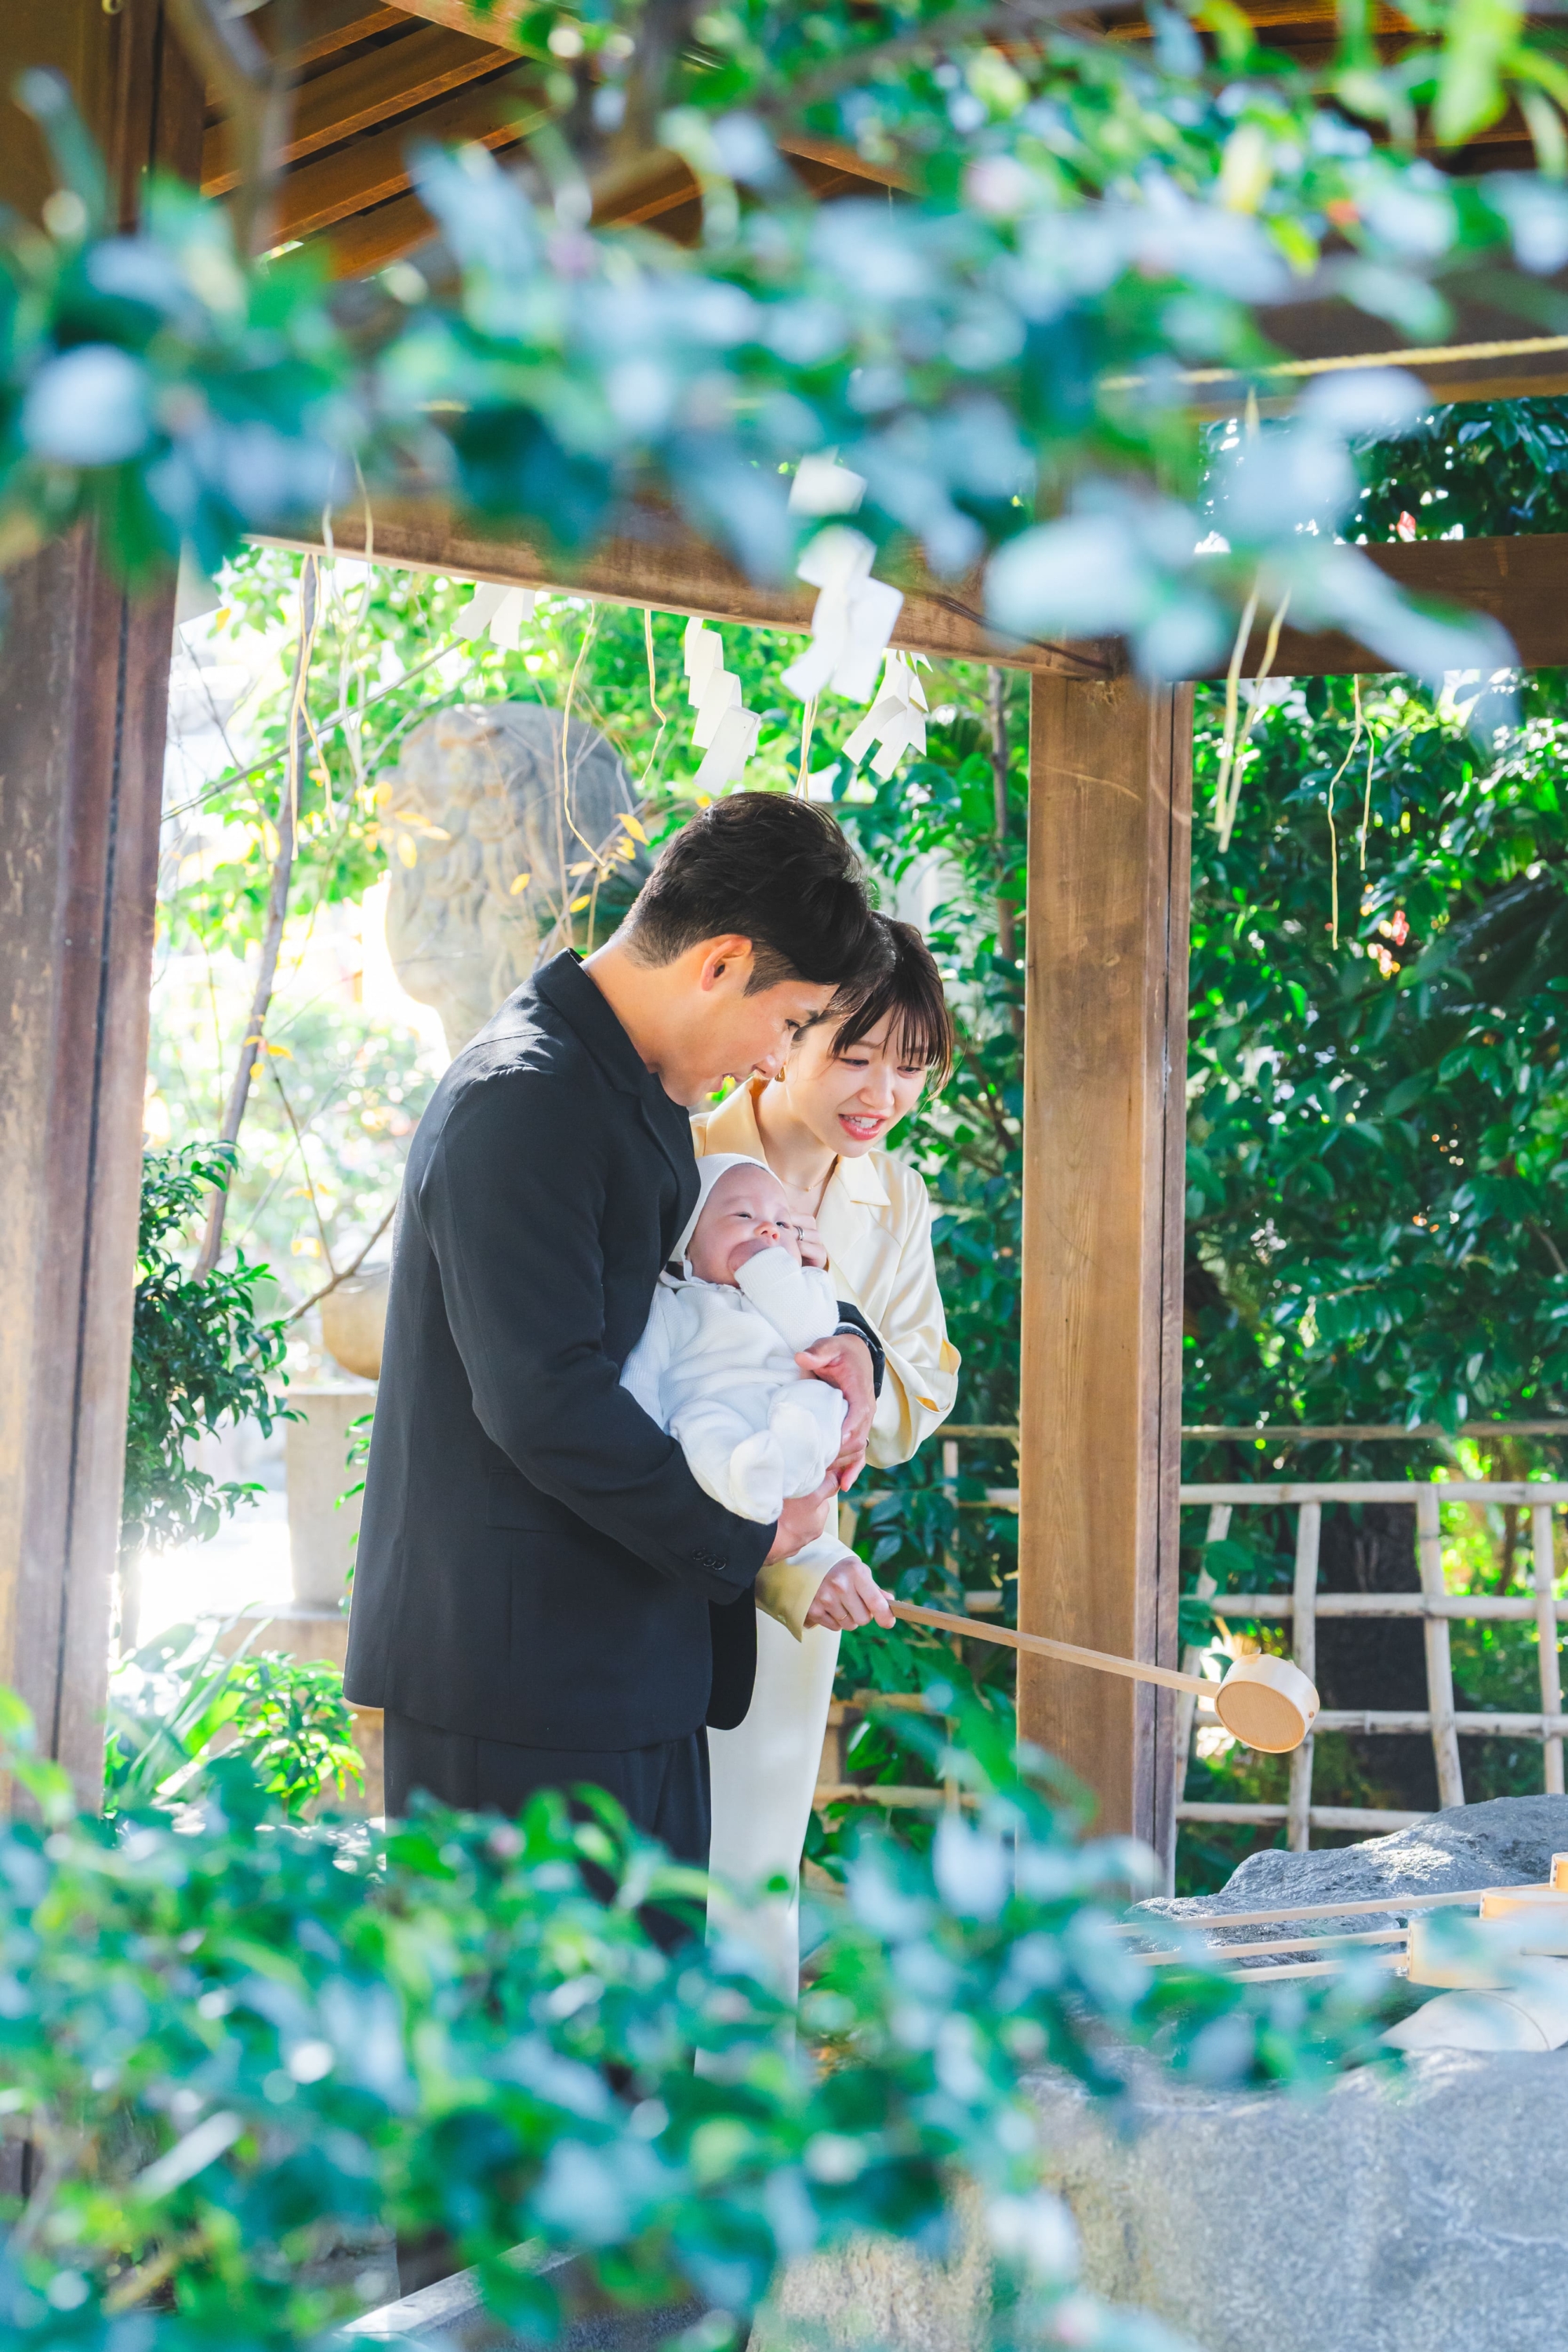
(1415, 2215)
(320, 1529)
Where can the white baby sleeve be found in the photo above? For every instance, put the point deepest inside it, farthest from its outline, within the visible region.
(740, 1466)
(798, 1300)
(806, 1420)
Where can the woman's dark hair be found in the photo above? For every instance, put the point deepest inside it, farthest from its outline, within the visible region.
(776, 870)
(910, 989)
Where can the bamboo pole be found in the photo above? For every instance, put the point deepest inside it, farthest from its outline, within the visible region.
(1370, 1821)
(1439, 1665)
(1382, 1490)
(1504, 1607)
(1373, 1719)
(1186, 1706)
(1131, 1669)
(1308, 1530)
(1546, 1640)
(1277, 1944)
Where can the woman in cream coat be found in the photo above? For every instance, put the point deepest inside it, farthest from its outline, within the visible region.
(818, 1125)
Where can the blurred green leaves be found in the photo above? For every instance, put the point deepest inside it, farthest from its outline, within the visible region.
(199, 1356)
(1376, 1173)
(999, 354)
(234, 2041)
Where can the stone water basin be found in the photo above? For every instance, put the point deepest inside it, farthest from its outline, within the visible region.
(1425, 2214)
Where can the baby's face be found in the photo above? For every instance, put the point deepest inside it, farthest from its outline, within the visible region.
(745, 1211)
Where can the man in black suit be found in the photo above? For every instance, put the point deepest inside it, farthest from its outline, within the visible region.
(544, 1594)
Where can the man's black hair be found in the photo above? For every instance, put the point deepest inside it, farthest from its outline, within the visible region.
(776, 870)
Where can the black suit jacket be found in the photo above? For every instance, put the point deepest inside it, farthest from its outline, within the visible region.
(536, 1562)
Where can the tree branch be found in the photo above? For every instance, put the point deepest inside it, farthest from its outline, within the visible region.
(276, 908)
(1544, 1238)
(353, 1267)
(305, 1166)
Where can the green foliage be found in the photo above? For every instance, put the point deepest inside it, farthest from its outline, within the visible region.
(1376, 1215)
(1010, 408)
(1375, 1170)
(179, 1702)
(198, 1356)
(1473, 471)
(234, 2039)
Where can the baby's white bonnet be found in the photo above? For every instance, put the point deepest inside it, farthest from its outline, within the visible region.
(709, 1171)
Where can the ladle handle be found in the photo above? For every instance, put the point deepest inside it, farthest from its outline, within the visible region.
(1041, 1645)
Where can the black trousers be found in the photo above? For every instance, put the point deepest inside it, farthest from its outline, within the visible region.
(664, 1788)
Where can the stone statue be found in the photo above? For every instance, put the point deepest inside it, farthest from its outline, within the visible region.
(491, 883)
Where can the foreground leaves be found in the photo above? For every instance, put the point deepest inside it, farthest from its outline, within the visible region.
(1005, 354)
(235, 2043)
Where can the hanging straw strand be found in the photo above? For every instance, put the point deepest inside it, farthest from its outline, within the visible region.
(1366, 804)
(1225, 809)
(808, 722)
(1333, 837)
(1227, 749)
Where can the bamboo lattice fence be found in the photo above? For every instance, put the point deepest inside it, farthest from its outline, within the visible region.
(1434, 1606)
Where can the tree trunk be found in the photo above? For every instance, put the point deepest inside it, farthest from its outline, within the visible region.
(276, 907)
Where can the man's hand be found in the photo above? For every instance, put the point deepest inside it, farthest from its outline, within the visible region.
(803, 1520)
(848, 1596)
(844, 1361)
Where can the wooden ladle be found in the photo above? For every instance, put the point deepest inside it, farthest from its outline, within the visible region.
(1265, 1703)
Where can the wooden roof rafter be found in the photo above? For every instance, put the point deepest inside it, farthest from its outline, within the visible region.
(375, 77)
(653, 560)
(373, 80)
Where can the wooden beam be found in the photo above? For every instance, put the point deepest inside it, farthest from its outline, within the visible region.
(394, 79)
(327, 27)
(655, 560)
(1521, 583)
(367, 242)
(485, 21)
(1489, 354)
(1278, 15)
(1104, 1138)
(848, 161)
(651, 186)
(371, 170)
(643, 189)
(83, 708)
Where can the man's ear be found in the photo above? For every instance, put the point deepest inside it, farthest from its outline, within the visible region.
(719, 957)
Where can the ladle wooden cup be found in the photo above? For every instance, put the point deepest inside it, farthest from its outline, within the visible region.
(1265, 1703)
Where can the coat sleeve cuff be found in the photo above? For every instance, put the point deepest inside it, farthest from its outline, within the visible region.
(851, 1320)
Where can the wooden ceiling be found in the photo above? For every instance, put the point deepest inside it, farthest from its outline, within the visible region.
(372, 78)
(370, 81)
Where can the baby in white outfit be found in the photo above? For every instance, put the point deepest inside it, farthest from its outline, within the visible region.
(716, 1365)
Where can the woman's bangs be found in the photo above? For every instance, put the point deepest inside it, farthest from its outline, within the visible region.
(922, 1035)
(908, 995)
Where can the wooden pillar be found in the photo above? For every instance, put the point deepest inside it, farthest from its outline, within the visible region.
(83, 698)
(1105, 1067)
